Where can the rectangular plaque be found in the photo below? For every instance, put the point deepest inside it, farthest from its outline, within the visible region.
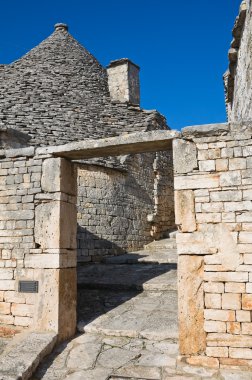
(28, 286)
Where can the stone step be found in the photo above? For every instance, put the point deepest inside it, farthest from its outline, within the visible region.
(22, 355)
(163, 244)
(148, 315)
(157, 256)
(135, 276)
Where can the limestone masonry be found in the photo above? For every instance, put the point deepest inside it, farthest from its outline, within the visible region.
(86, 175)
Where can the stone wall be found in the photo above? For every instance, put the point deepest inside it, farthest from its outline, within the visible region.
(238, 77)
(37, 241)
(213, 187)
(124, 209)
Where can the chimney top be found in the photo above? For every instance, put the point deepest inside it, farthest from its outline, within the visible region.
(121, 61)
(61, 26)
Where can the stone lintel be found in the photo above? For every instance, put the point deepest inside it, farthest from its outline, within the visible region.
(114, 146)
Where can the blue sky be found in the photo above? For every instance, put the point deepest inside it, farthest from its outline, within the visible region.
(181, 46)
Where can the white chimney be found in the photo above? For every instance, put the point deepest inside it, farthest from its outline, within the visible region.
(123, 81)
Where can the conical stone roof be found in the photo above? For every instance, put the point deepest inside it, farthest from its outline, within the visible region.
(58, 92)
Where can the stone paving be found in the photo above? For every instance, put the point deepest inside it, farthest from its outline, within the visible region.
(129, 334)
(3, 344)
(98, 357)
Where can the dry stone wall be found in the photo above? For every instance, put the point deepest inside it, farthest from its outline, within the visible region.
(214, 214)
(238, 77)
(122, 210)
(37, 241)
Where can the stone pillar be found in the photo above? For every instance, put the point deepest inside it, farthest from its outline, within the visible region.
(55, 257)
(192, 337)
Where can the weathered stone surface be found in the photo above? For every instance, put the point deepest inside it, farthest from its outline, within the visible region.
(196, 181)
(185, 210)
(22, 357)
(191, 304)
(184, 156)
(55, 225)
(58, 176)
(159, 322)
(123, 81)
(55, 308)
(206, 130)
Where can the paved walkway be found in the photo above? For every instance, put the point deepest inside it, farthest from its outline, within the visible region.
(128, 324)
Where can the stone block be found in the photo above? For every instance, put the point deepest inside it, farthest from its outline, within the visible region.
(202, 361)
(213, 207)
(51, 260)
(245, 237)
(55, 225)
(58, 175)
(206, 130)
(247, 328)
(217, 352)
(212, 301)
(238, 206)
(247, 301)
(230, 179)
(219, 315)
(247, 195)
(185, 210)
(227, 363)
(248, 287)
(55, 308)
(221, 165)
(215, 326)
(207, 166)
(12, 296)
(7, 284)
(240, 353)
(214, 287)
(6, 274)
(196, 181)
(244, 217)
(228, 340)
(197, 243)
(226, 276)
(22, 310)
(23, 321)
(226, 196)
(231, 301)
(4, 308)
(237, 163)
(184, 156)
(213, 217)
(6, 319)
(233, 328)
(235, 287)
(243, 316)
(191, 305)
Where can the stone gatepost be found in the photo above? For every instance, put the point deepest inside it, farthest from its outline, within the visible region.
(192, 337)
(55, 253)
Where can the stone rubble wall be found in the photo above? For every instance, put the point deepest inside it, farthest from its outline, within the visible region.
(237, 79)
(213, 208)
(121, 210)
(37, 241)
